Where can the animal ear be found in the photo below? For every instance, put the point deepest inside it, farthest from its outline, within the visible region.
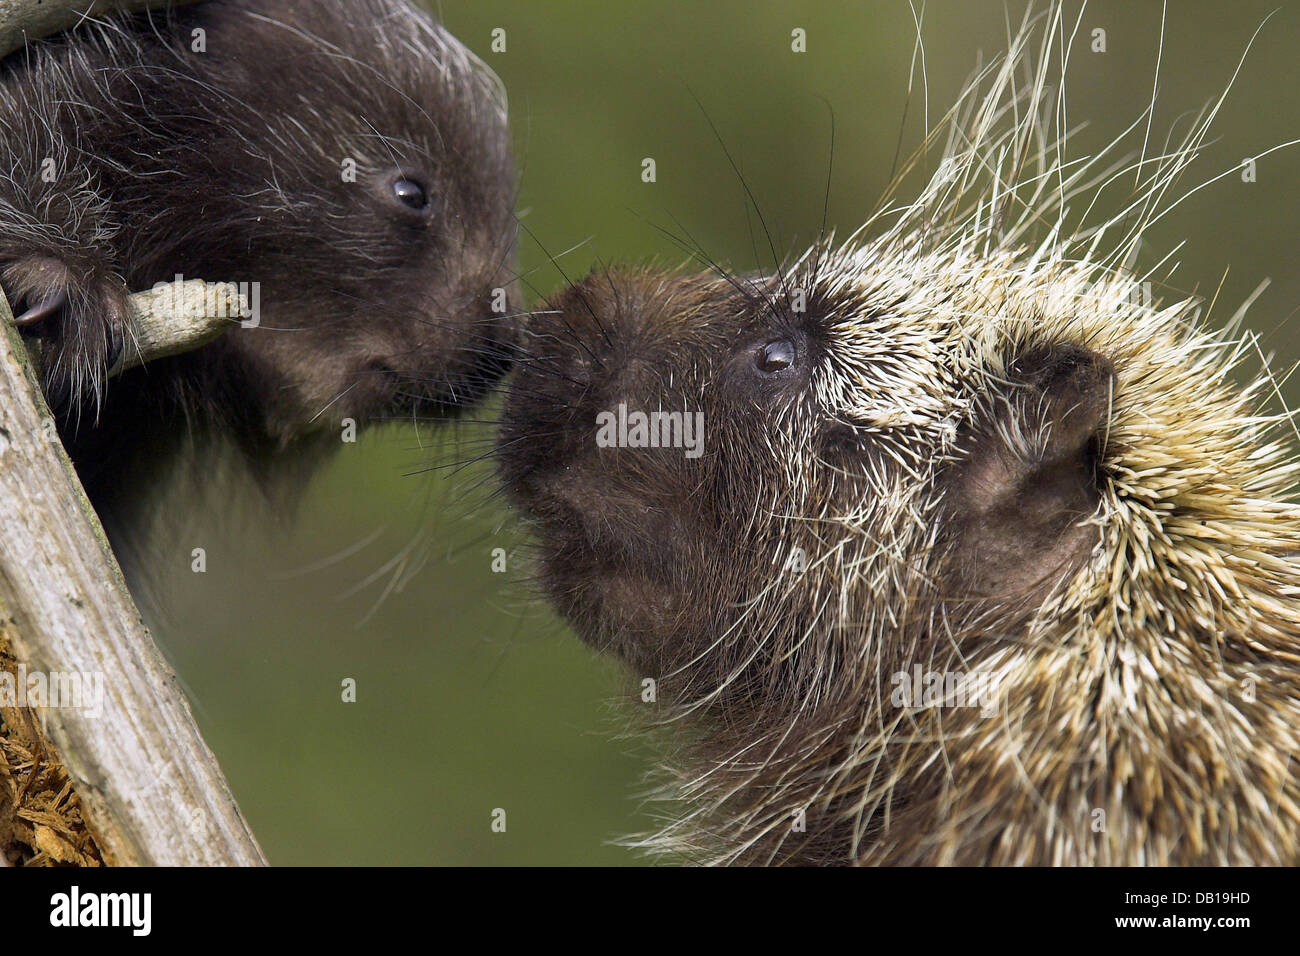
(1027, 477)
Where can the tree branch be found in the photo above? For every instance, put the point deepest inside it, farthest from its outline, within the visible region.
(177, 318)
(23, 20)
(150, 788)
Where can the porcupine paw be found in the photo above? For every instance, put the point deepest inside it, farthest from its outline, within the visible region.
(80, 319)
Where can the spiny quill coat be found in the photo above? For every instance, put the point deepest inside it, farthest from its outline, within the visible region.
(978, 450)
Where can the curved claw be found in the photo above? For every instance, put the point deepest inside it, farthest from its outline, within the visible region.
(42, 310)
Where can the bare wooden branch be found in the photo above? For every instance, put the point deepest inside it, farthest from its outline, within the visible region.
(178, 317)
(105, 700)
(149, 786)
(23, 20)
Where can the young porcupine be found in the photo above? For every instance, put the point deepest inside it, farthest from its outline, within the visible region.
(348, 160)
(960, 458)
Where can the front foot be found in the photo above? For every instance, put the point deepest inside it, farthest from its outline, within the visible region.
(80, 319)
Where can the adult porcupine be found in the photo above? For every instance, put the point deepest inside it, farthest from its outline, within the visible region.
(348, 159)
(960, 459)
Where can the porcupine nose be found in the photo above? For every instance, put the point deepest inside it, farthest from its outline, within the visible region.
(575, 331)
(560, 375)
(582, 355)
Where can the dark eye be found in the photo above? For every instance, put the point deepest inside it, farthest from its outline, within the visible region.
(775, 356)
(410, 194)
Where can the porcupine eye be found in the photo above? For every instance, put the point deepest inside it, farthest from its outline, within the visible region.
(776, 356)
(410, 194)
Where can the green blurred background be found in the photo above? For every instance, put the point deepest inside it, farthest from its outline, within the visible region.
(470, 696)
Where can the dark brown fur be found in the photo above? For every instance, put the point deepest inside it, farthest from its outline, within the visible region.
(227, 165)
